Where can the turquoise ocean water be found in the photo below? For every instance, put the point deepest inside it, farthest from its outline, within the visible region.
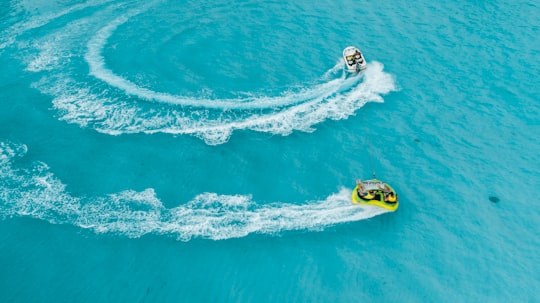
(205, 151)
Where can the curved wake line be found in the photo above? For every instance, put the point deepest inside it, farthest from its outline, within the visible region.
(37, 193)
(113, 117)
(111, 104)
(98, 69)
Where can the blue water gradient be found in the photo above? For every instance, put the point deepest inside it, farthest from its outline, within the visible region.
(166, 151)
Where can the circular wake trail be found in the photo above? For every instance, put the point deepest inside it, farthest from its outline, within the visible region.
(86, 91)
(98, 69)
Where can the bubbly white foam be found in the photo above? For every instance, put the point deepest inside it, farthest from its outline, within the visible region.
(112, 115)
(112, 104)
(35, 192)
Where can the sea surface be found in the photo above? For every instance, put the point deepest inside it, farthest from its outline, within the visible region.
(205, 151)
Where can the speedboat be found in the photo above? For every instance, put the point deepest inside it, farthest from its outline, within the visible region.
(354, 60)
(375, 192)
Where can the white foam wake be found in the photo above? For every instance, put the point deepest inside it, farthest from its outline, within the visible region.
(87, 92)
(98, 69)
(115, 115)
(35, 192)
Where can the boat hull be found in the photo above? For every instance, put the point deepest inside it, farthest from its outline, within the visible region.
(354, 59)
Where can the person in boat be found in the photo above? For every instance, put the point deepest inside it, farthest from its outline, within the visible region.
(389, 195)
(358, 56)
(360, 189)
(362, 193)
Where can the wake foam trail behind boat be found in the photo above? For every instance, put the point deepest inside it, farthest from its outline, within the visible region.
(70, 56)
(36, 193)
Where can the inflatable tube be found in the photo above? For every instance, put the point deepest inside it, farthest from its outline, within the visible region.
(375, 196)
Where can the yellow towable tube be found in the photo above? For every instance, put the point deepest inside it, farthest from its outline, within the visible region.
(376, 193)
